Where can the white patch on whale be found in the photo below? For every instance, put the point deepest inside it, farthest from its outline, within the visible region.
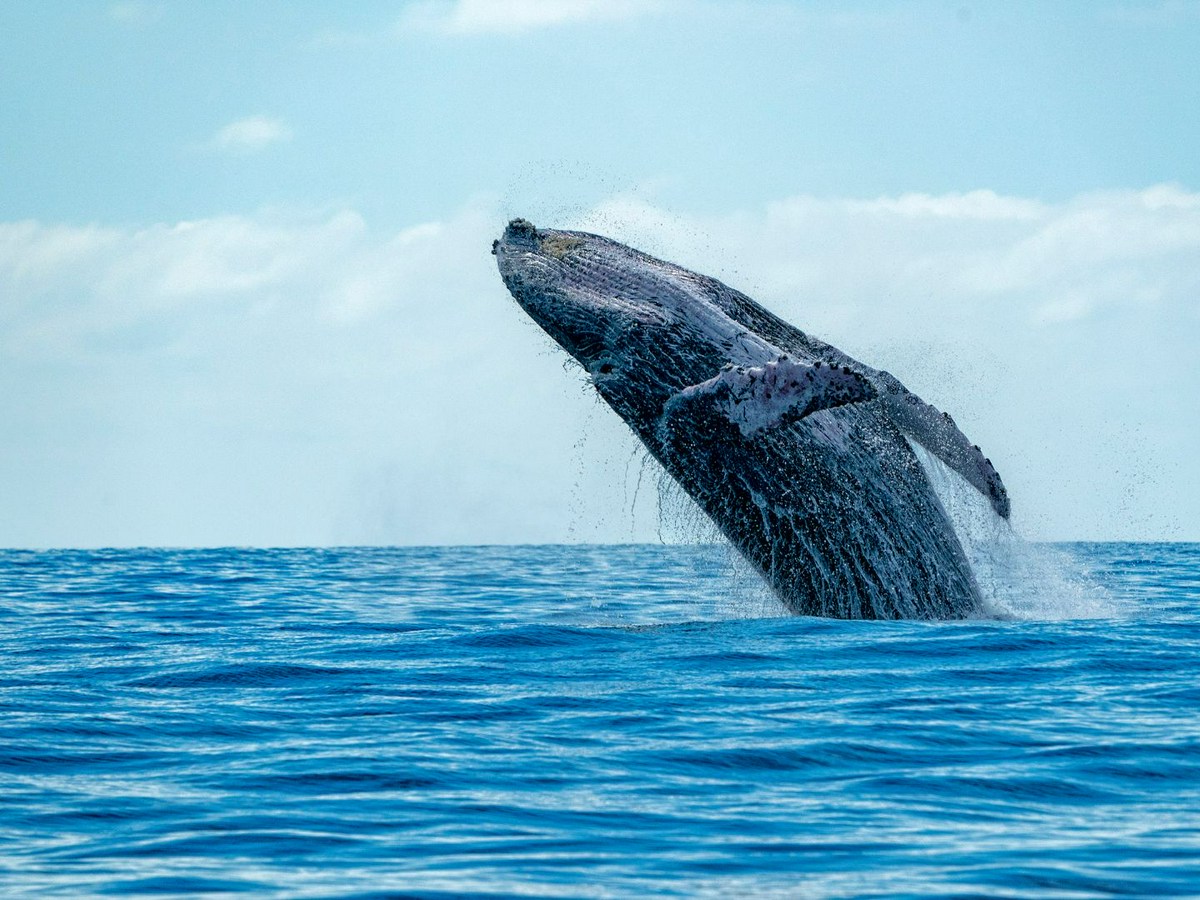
(757, 397)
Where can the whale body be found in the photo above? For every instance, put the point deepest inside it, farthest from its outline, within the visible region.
(799, 454)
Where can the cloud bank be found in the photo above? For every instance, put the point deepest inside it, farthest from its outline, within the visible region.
(280, 379)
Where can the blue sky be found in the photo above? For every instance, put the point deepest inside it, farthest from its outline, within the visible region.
(246, 297)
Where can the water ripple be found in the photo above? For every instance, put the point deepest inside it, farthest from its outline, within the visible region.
(581, 721)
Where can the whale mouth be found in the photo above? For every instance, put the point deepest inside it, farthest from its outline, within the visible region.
(541, 271)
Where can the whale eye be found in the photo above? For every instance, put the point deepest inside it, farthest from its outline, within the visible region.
(606, 369)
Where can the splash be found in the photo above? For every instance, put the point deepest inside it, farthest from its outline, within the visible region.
(744, 593)
(1018, 579)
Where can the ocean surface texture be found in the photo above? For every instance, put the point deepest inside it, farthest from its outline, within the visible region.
(588, 722)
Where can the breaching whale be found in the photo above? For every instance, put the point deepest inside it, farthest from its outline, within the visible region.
(797, 452)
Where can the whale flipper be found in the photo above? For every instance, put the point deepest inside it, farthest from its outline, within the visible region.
(919, 421)
(937, 433)
(755, 398)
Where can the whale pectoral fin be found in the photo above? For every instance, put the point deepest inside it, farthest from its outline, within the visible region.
(937, 433)
(759, 397)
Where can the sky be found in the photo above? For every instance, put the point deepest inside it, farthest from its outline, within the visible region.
(246, 294)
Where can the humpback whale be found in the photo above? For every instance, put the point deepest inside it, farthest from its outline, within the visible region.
(799, 454)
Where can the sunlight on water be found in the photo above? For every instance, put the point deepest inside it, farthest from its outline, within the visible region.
(1018, 579)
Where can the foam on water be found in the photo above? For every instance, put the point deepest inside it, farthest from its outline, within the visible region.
(1018, 579)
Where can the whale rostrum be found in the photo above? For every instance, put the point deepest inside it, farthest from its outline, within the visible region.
(799, 453)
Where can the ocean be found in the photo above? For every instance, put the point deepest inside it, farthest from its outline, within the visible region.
(588, 721)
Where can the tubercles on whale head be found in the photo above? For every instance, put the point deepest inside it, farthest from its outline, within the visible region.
(618, 313)
(520, 230)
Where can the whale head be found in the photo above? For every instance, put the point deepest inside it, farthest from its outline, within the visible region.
(642, 328)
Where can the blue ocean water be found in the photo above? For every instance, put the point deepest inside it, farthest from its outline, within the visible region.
(586, 722)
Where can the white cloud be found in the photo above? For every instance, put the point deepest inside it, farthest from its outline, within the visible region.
(135, 12)
(265, 380)
(251, 134)
(1165, 12)
(1061, 336)
(463, 17)
(985, 205)
(274, 379)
